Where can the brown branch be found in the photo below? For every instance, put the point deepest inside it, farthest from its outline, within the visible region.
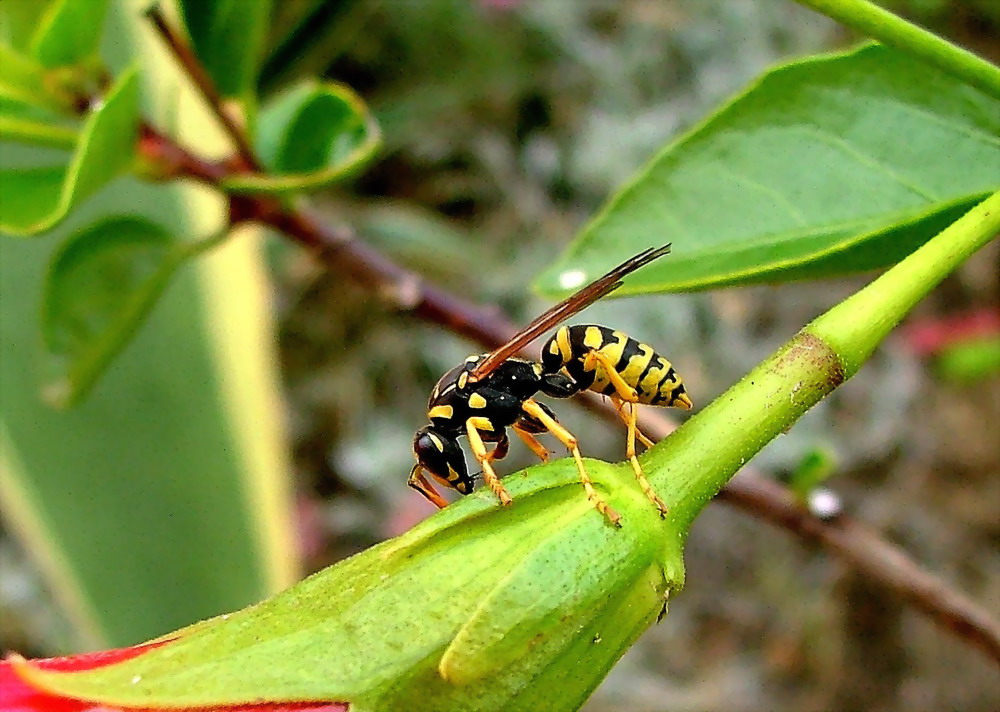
(187, 59)
(341, 251)
(872, 556)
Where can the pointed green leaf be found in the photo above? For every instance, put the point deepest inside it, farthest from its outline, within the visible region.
(105, 149)
(228, 37)
(309, 137)
(100, 287)
(825, 166)
(69, 32)
(480, 607)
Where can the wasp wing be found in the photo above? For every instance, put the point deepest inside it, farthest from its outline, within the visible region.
(565, 309)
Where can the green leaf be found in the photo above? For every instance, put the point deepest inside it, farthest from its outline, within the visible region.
(105, 149)
(69, 32)
(306, 37)
(825, 166)
(24, 80)
(18, 20)
(309, 137)
(970, 361)
(111, 496)
(228, 38)
(522, 608)
(100, 287)
(164, 497)
(815, 467)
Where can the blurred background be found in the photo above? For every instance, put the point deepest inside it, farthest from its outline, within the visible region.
(506, 124)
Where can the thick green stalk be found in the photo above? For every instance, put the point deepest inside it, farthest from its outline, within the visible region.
(857, 325)
(894, 31)
(691, 466)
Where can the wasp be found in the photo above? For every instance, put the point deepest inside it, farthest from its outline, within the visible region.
(489, 393)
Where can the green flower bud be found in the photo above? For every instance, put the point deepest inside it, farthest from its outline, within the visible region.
(480, 607)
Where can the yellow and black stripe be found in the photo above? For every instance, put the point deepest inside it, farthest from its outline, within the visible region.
(654, 379)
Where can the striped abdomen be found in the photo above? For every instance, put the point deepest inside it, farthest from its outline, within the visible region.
(651, 375)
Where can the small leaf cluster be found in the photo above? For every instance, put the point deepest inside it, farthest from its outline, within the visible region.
(55, 91)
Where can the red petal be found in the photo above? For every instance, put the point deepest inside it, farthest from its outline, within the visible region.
(928, 336)
(17, 696)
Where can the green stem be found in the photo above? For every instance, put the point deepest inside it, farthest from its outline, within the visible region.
(194, 248)
(856, 326)
(894, 31)
(693, 464)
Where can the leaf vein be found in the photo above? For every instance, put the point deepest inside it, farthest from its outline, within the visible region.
(860, 157)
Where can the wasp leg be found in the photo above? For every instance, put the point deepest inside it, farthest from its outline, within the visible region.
(483, 457)
(420, 483)
(640, 476)
(536, 411)
(499, 450)
(620, 409)
(532, 442)
(625, 392)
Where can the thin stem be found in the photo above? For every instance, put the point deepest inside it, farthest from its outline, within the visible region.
(873, 557)
(186, 57)
(202, 245)
(892, 30)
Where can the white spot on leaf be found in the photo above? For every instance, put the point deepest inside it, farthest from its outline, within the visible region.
(572, 278)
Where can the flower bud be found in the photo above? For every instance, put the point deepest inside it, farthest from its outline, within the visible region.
(480, 607)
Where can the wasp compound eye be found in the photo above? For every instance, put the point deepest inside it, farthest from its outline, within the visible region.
(441, 456)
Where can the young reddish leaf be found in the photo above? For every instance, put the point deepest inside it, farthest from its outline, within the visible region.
(927, 337)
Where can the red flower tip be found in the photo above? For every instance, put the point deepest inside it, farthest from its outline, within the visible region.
(18, 695)
(929, 336)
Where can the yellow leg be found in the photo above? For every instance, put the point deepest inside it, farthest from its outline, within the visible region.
(532, 442)
(420, 483)
(628, 394)
(620, 409)
(569, 441)
(624, 390)
(499, 451)
(640, 476)
(483, 457)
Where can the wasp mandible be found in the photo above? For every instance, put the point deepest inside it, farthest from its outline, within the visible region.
(488, 393)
